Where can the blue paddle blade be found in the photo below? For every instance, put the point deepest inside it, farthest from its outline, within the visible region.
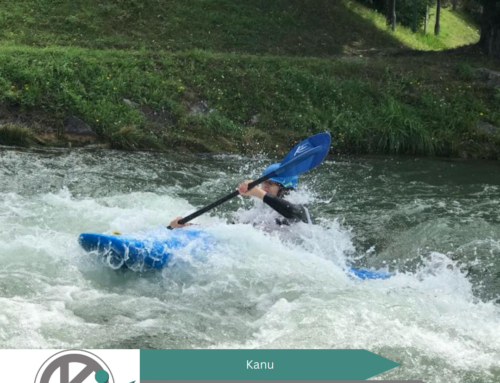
(305, 156)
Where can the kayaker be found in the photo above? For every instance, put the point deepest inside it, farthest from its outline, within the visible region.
(273, 192)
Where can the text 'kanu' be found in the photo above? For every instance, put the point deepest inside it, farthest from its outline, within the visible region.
(251, 365)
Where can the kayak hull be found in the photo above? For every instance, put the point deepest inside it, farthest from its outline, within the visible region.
(154, 249)
(142, 251)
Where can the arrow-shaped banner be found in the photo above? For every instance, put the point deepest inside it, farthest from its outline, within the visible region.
(161, 365)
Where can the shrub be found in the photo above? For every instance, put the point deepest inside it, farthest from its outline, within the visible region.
(17, 135)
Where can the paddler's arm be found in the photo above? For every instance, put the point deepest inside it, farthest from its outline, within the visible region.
(287, 209)
(294, 212)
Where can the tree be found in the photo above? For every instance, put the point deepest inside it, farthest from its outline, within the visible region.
(426, 19)
(414, 17)
(490, 28)
(393, 15)
(438, 14)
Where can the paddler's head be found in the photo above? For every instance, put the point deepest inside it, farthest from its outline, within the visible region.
(279, 186)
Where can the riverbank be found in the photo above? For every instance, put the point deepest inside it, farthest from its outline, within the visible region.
(242, 77)
(438, 103)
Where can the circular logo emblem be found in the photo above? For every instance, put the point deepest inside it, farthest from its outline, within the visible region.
(74, 366)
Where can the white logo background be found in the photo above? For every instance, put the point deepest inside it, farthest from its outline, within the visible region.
(23, 366)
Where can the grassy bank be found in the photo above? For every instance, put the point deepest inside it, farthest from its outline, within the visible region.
(318, 28)
(288, 27)
(419, 104)
(457, 29)
(226, 75)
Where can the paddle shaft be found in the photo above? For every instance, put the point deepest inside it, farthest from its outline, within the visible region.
(252, 184)
(222, 200)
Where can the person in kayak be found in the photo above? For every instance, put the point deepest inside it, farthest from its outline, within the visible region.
(273, 193)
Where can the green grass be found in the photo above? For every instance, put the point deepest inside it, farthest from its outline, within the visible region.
(280, 27)
(456, 29)
(17, 135)
(271, 72)
(396, 105)
(129, 137)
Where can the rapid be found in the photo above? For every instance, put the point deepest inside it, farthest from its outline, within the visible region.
(434, 223)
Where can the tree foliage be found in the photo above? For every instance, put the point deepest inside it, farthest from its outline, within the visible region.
(404, 10)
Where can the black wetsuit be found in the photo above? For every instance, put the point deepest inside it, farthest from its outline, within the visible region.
(291, 212)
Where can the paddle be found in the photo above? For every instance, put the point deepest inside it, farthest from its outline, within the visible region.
(303, 157)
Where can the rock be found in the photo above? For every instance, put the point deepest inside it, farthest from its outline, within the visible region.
(40, 141)
(255, 119)
(488, 128)
(131, 103)
(491, 77)
(73, 126)
(200, 108)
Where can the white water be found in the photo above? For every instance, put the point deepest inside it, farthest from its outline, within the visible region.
(255, 289)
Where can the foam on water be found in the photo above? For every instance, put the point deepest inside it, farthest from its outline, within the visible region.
(256, 289)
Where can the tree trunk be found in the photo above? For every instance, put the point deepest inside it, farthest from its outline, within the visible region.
(393, 15)
(414, 17)
(438, 13)
(426, 22)
(490, 28)
(454, 6)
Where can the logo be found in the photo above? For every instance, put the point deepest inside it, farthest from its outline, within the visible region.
(74, 366)
(302, 148)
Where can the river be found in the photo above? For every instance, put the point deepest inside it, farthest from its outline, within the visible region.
(434, 223)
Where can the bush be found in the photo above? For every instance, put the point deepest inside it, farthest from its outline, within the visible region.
(130, 137)
(465, 71)
(497, 94)
(402, 131)
(17, 135)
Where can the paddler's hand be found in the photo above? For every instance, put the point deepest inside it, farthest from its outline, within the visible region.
(176, 225)
(256, 191)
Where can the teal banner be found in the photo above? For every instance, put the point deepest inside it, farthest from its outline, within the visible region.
(262, 365)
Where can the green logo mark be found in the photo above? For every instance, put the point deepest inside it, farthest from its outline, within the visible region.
(101, 376)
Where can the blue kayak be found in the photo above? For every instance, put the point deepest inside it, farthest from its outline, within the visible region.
(154, 249)
(145, 250)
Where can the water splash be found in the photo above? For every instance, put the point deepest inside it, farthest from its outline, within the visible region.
(260, 289)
